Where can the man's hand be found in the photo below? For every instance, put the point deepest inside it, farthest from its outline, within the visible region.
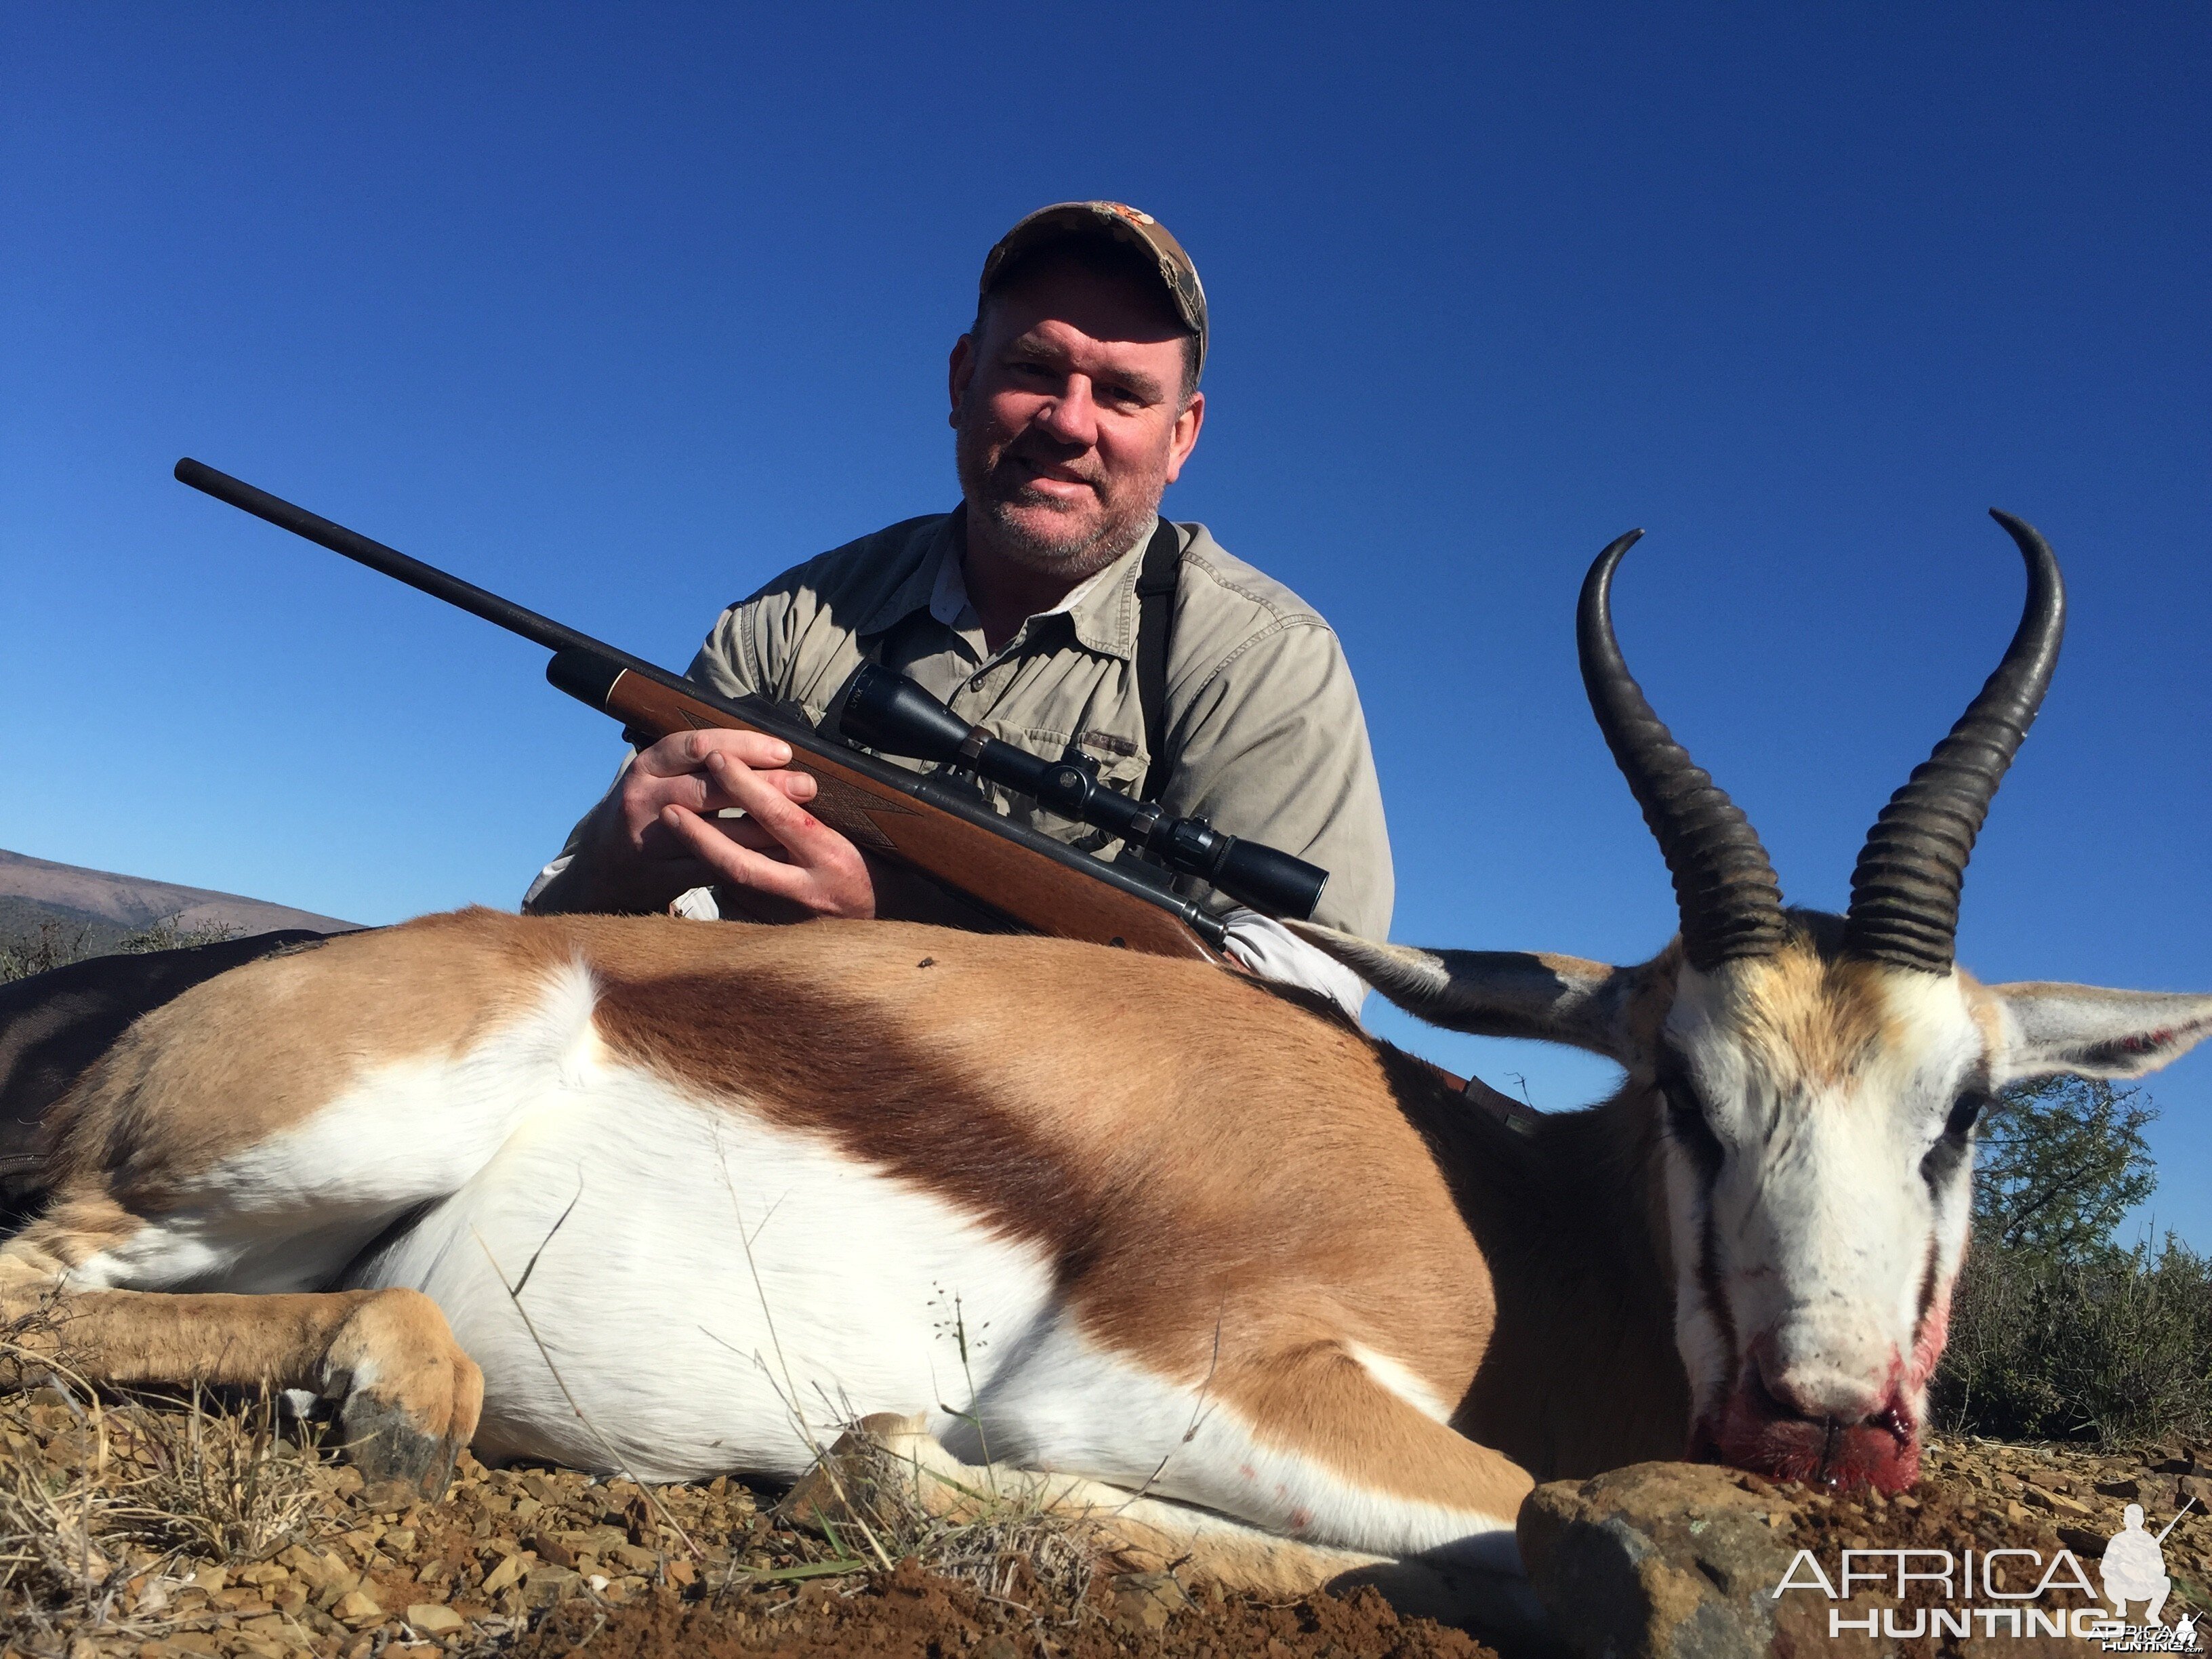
(657, 835)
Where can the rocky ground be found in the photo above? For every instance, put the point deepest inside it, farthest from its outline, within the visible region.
(1677, 1562)
(157, 1529)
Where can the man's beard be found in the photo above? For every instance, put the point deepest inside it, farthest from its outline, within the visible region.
(1063, 541)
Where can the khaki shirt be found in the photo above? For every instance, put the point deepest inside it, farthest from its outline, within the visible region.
(1264, 727)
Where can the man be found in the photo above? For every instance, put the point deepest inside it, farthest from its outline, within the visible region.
(1075, 400)
(2134, 1568)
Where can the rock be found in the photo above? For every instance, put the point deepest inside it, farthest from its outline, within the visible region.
(1656, 1561)
(356, 1607)
(506, 1572)
(551, 1550)
(547, 1584)
(1148, 1599)
(434, 1619)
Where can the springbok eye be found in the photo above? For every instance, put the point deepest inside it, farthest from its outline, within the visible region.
(1965, 1112)
(1686, 1124)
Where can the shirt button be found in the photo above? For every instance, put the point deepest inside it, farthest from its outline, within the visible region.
(975, 684)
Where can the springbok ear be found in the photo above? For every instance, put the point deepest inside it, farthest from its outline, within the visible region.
(2092, 1032)
(1506, 994)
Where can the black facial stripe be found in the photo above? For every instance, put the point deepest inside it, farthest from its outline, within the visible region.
(1941, 1163)
(1709, 1274)
(1685, 1120)
(1927, 1293)
(1685, 1126)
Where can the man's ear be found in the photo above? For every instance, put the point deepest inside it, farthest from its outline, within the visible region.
(2092, 1032)
(958, 373)
(1505, 993)
(1184, 439)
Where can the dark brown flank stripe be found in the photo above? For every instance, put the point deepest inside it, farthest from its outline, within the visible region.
(879, 1098)
(1161, 1253)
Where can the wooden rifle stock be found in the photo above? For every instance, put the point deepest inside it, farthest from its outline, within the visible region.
(1015, 878)
(1033, 891)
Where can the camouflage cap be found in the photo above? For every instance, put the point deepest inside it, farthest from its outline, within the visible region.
(1113, 221)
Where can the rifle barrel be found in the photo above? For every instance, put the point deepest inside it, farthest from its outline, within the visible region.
(2176, 1521)
(1023, 871)
(391, 561)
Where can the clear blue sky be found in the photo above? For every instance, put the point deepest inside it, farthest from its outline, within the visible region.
(622, 310)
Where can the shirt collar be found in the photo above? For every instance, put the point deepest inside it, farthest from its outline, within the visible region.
(1101, 609)
(915, 589)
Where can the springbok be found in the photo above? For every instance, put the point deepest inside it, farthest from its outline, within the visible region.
(1217, 1264)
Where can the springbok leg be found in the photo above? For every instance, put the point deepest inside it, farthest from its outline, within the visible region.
(1129, 1531)
(1300, 1469)
(410, 1397)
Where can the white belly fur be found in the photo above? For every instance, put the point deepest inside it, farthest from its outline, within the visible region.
(722, 1294)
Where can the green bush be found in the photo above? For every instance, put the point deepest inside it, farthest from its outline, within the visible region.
(2056, 1333)
(2116, 1348)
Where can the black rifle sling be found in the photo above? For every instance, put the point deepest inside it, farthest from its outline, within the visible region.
(1156, 597)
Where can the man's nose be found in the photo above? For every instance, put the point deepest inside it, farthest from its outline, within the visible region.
(1072, 416)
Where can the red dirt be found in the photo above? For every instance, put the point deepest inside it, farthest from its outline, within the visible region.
(913, 1612)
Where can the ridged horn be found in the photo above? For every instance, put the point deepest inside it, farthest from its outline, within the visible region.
(1724, 884)
(1905, 892)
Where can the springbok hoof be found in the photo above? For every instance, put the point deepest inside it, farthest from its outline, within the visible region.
(400, 1464)
(876, 1464)
(411, 1397)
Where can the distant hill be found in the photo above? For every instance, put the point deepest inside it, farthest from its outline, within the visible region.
(106, 906)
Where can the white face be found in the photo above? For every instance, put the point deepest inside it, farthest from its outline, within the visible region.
(1818, 1119)
(1818, 1193)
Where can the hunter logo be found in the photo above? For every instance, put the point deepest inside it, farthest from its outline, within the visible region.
(2008, 1593)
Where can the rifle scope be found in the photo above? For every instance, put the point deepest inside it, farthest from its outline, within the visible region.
(890, 713)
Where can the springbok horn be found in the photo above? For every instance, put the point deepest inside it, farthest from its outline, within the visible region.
(1905, 892)
(1724, 885)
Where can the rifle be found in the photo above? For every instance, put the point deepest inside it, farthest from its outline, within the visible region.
(998, 876)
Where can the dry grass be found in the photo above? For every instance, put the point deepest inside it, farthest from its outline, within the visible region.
(1006, 1546)
(161, 1527)
(108, 1508)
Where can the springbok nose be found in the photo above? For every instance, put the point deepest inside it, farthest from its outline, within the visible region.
(1816, 1385)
